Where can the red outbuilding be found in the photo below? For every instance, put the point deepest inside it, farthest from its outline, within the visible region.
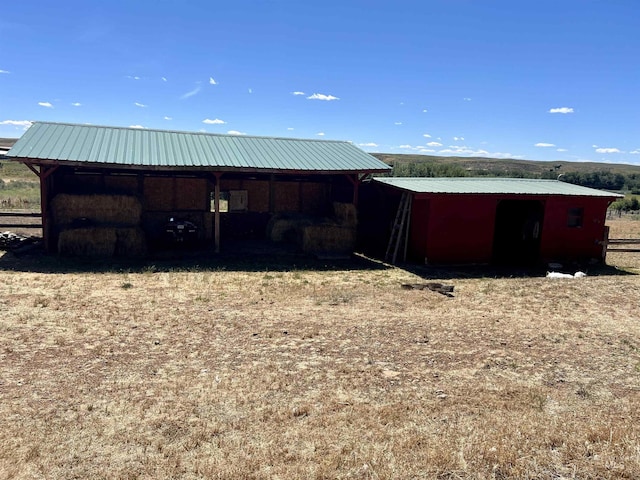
(483, 220)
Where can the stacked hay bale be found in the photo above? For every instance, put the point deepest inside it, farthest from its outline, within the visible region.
(98, 225)
(318, 236)
(335, 236)
(287, 227)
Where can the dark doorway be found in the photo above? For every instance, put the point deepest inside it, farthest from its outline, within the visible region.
(517, 234)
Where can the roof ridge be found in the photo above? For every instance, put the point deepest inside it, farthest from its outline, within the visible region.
(187, 132)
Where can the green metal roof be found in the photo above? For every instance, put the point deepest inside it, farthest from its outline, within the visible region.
(511, 186)
(98, 146)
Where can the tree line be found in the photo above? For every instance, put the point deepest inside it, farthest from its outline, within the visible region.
(602, 180)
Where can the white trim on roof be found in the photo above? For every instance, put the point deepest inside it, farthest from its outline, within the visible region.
(500, 185)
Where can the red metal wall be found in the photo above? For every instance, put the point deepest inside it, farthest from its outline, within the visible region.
(561, 242)
(448, 229)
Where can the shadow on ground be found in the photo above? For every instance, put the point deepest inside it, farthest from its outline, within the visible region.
(266, 258)
(193, 261)
(493, 271)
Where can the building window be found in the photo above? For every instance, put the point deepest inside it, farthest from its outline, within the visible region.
(224, 202)
(231, 201)
(575, 217)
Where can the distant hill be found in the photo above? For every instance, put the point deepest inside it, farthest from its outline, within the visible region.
(474, 166)
(7, 143)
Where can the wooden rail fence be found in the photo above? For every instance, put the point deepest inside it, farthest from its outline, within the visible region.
(5, 221)
(613, 245)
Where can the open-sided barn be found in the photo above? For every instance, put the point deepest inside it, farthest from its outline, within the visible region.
(111, 190)
(484, 220)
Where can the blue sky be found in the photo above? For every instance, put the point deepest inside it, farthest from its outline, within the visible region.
(541, 80)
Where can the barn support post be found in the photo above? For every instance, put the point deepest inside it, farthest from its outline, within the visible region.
(43, 174)
(355, 181)
(216, 214)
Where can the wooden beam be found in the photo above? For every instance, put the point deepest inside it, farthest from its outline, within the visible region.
(355, 181)
(216, 214)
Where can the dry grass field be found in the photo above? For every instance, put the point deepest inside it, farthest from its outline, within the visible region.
(253, 370)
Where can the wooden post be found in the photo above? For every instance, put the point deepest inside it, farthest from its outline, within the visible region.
(355, 181)
(43, 174)
(272, 195)
(216, 214)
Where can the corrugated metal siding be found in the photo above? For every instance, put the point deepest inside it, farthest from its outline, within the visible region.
(155, 148)
(512, 186)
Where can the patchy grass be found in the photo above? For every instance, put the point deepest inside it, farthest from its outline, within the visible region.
(21, 194)
(340, 373)
(19, 186)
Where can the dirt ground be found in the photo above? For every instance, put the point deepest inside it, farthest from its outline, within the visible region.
(239, 368)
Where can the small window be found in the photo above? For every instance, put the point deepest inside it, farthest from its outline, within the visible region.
(224, 202)
(575, 217)
(231, 201)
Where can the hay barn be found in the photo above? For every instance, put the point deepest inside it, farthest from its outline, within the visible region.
(113, 191)
(484, 220)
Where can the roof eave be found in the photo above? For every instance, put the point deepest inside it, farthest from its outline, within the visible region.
(166, 168)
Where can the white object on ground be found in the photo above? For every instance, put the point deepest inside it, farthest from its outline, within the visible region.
(565, 275)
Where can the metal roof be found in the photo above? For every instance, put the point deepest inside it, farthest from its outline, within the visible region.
(511, 186)
(99, 146)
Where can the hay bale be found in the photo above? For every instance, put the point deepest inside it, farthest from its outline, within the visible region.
(87, 242)
(287, 227)
(124, 210)
(328, 239)
(130, 242)
(345, 213)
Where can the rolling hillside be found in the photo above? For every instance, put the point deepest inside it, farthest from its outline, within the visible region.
(505, 167)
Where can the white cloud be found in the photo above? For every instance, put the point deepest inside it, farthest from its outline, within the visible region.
(322, 96)
(466, 99)
(138, 104)
(235, 132)
(212, 81)
(541, 144)
(370, 144)
(608, 150)
(4, 71)
(320, 134)
(426, 135)
(137, 126)
(45, 104)
(164, 79)
(635, 152)
(463, 150)
(458, 139)
(76, 104)
(424, 111)
(133, 78)
(562, 150)
(251, 90)
(503, 155)
(168, 118)
(191, 93)
(434, 144)
(216, 121)
(426, 150)
(561, 110)
(289, 128)
(17, 123)
(298, 93)
(397, 123)
(405, 146)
